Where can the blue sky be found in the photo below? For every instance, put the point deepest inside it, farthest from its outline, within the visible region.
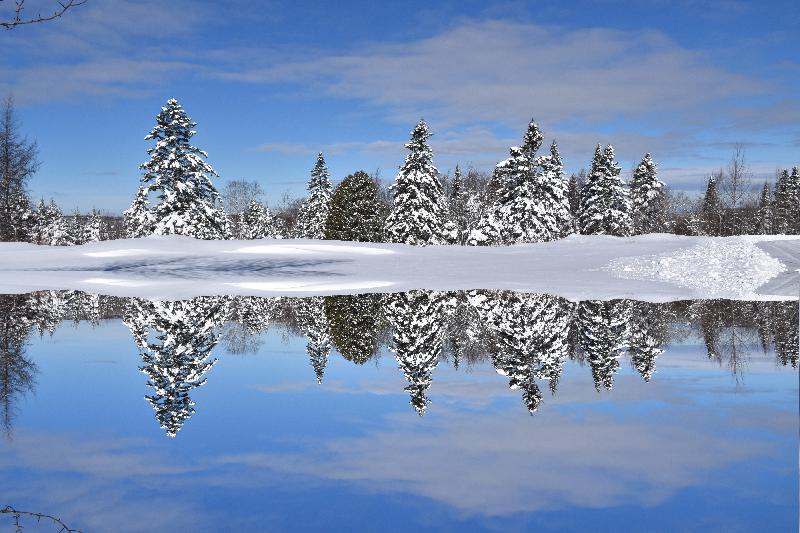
(272, 83)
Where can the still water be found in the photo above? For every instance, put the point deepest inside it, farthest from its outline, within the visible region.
(468, 411)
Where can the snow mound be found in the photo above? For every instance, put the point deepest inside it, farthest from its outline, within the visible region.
(719, 267)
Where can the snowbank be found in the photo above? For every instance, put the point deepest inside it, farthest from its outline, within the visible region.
(649, 267)
(715, 266)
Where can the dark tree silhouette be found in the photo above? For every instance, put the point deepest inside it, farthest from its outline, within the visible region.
(17, 372)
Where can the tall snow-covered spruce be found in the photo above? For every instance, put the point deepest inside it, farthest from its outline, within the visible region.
(648, 199)
(418, 213)
(605, 205)
(531, 203)
(188, 202)
(314, 211)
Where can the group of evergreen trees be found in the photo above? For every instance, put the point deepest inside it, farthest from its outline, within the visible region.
(776, 211)
(528, 338)
(527, 198)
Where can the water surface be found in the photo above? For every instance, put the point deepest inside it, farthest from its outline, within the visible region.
(478, 410)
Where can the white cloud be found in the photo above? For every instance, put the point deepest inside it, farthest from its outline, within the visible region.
(505, 71)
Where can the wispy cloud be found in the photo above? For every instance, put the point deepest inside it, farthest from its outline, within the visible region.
(505, 71)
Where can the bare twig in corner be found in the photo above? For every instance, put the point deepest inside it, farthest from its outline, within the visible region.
(20, 20)
(17, 514)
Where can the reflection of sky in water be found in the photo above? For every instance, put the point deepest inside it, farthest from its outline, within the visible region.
(268, 448)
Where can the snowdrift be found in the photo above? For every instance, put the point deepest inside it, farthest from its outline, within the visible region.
(658, 267)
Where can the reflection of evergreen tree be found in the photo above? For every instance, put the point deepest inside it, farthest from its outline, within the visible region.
(647, 335)
(175, 340)
(49, 309)
(310, 314)
(464, 332)
(355, 325)
(785, 332)
(250, 316)
(603, 335)
(531, 338)
(17, 372)
(417, 319)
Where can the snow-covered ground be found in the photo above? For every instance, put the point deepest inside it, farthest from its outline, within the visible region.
(650, 267)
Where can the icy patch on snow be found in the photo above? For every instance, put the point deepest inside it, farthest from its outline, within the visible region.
(117, 253)
(720, 267)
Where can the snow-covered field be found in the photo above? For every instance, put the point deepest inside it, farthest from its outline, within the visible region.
(650, 267)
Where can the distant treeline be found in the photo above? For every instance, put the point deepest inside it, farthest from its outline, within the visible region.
(527, 198)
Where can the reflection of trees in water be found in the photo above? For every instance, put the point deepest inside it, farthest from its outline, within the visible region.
(603, 334)
(17, 372)
(418, 321)
(527, 337)
(732, 330)
(175, 340)
(311, 320)
(648, 332)
(355, 325)
(530, 338)
(250, 316)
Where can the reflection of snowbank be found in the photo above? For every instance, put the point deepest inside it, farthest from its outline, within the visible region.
(715, 266)
(655, 268)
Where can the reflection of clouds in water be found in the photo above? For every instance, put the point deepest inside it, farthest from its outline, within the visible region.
(502, 463)
(99, 484)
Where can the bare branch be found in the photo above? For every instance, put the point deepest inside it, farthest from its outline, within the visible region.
(20, 20)
(38, 516)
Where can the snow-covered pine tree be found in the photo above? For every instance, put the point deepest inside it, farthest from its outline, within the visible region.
(555, 191)
(605, 205)
(574, 198)
(764, 215)
(711, 209)
(137, 219)
(188, 202)
(794, 204)
(55, 229)
(780, 204)
(417, 320)
(648, 199)
(458, 206)
(355, 210)
(418, 214)
(92, 228)
(314, 211)
(257, 222)
(76, 225)
(787, 203)
(531, 202)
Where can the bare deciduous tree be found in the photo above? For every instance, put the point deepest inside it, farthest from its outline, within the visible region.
(238, 194)
(18, 17)
(736, 187)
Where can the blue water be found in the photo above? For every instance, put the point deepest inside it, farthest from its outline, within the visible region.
(700, 447)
